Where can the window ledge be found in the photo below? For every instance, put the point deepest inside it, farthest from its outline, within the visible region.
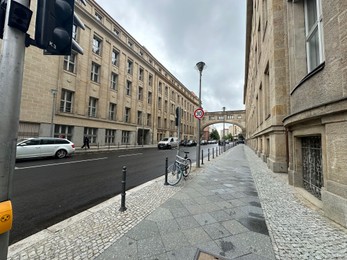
(308, 76)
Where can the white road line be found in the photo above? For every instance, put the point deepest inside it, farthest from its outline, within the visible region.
(132, 154)
(54, 164)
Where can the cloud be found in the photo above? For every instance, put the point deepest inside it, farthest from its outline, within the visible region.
(180, 33)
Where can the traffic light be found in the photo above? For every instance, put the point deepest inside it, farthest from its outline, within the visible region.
(179, 113)
(54, 21)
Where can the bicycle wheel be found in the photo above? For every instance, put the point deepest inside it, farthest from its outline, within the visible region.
(187, 167)
(174, 174)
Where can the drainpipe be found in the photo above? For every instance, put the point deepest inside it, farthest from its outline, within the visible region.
(287, 147)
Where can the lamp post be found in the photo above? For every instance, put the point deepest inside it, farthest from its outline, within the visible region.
(224, 128)
(143, 129)
(200, 66)
(54, 93)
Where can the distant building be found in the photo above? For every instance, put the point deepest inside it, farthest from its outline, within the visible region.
(295, 96)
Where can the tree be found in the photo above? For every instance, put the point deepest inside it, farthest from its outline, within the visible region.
(229, 137)
(214, 135)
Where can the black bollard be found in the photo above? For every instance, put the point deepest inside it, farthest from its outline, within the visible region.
(166, 166)
(208, 154)
(202, 156)
(122, 206)
(213, 153)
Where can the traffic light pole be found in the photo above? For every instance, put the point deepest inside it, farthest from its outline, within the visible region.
(11, 77)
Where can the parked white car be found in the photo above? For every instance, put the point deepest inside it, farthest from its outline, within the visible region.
(168, 143)
(44, 147)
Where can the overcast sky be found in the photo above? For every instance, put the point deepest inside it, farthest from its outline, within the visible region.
(180, 33)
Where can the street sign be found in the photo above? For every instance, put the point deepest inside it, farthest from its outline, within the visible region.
(199, 113)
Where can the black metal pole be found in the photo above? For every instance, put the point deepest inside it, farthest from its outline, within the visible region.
(166, 166)
(213, 153)
(122, 207)
(202, 156)
(208, 154)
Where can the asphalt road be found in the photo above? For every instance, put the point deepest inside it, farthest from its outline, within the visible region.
(47, 191)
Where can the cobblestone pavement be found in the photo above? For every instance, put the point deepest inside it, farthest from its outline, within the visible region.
(296, 231)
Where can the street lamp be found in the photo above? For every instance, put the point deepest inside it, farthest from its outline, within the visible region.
(200, 66)
(224, 128)
(54, 93)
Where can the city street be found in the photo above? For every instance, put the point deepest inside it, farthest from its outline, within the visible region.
(47, 191)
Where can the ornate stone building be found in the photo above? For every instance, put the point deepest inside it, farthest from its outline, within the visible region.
(116, 93)
(305, 74)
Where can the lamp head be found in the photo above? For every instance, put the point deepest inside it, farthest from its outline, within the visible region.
(200, 65)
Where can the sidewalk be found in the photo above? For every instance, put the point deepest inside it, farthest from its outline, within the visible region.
(221, 211)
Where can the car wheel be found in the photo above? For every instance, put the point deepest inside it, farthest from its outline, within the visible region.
(61, 154)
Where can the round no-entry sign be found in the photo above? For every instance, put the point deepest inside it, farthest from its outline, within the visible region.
(199, 113)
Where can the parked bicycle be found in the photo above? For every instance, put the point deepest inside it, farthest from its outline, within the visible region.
(180, 168)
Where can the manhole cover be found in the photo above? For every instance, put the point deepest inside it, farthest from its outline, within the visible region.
(201, 255)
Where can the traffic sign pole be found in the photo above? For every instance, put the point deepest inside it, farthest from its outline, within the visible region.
(11, 74)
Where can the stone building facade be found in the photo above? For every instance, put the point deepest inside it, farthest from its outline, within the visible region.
(310, 39)
(265, 93)
(116, 93)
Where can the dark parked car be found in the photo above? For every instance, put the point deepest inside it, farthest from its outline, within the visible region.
(191, 143)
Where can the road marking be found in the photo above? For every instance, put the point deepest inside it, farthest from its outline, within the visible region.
(54, 164)
(132, 154)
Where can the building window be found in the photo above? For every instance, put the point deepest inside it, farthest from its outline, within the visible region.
(91, 133)
(130, 67)
(139, 117)
(127, 115)
(159, 87)
(112, 111)
(149, 98)
(125, 137)
(66, 101)
(150, 79)
(159, 122)
(148, 119)
(98, 17)
(63, 131)
(110, 136)
(97, 45)
(141, 74)
(140, 96)
(92, 107)
(128, 88)
(165, 105)
(95, 72)
(314, 32)
(131, 45)
(70, 62)
(159, 102)
(74, 32)
(173, 97)
(115, 57)
(116, 31)
(114, 81)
